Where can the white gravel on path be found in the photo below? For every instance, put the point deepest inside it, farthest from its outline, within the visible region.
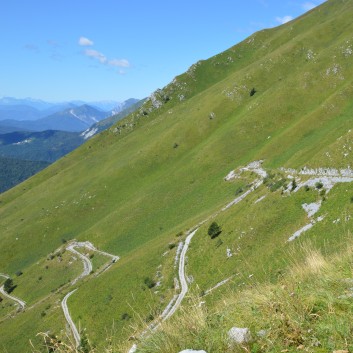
(69, 319)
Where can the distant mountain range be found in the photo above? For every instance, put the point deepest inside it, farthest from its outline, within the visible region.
(36, 115)
(108, 122)
(71, 119)
(24, 152)
(38, 108)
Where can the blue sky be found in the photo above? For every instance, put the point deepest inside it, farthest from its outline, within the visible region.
(60, 50)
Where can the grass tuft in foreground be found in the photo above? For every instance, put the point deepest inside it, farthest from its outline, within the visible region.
(309, 309)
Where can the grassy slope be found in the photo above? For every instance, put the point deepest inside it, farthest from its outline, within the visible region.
(130, 190)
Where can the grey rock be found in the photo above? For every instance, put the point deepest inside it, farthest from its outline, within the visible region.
(239, 335)
(262, 333)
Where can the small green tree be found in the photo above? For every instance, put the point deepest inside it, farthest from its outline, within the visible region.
(8, 285)
(252, 92)
(150, 283)
(319, 185)
(85, 346)
(214, 230)
(294, 184)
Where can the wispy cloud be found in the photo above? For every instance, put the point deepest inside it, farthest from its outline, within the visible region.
(119, 63)
(54, 48)
(85, 42)
(52, 43)
(284, 19)
(307, 6)
(100, 57)
(32, 47)
(96, 55)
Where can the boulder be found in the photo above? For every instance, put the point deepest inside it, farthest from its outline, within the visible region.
(239, 335)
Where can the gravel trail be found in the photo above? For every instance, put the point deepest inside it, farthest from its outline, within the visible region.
(68, 318)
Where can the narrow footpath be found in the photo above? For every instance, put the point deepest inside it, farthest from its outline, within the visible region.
(20, 302)
(68, 318)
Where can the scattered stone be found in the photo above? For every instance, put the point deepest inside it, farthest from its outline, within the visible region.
(231, 175)
(262, 333)
(316, 343)
(190, 279)
(311, 208)
(239, 335)
(133, 349)
(260, 199)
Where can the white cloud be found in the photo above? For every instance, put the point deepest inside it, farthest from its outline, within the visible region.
(119, 63)
(284, 19)
(96, 55)
(307, 6)
(85, 42)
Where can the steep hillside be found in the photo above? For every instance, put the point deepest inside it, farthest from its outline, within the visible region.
(283, 96)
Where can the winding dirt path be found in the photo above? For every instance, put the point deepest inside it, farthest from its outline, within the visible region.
(69, 320)
(184, 284)
(87, 264)
(20, 302)
(87, 268)
(175, 302)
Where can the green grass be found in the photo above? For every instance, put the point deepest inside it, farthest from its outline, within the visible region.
(308, 309)
(130, 190)
(47, 276)
(7, 307)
